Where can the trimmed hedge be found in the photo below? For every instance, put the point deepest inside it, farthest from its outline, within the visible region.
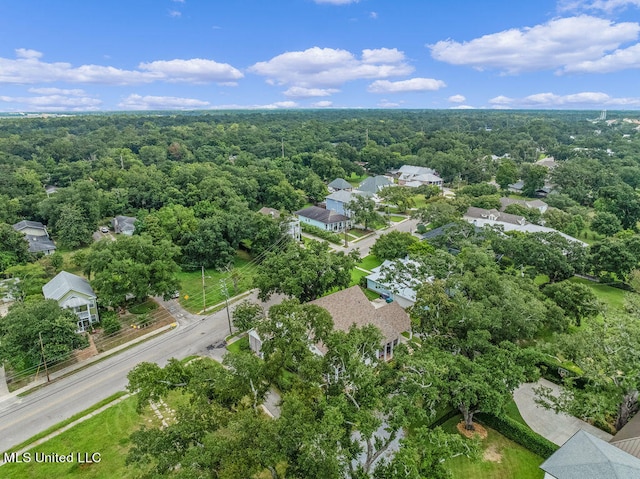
(320, 233)
(519, 433)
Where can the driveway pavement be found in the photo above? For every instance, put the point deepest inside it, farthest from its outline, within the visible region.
(557, 428)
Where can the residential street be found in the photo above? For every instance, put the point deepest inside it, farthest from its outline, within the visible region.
(364, 245)
(22, 418)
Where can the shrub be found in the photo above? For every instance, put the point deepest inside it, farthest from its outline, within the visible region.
(110, 322)
(320, 233)
(519, 433)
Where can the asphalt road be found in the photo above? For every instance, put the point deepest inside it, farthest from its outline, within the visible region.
(22, 418)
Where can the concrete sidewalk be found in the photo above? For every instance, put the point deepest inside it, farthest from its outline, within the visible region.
(557, 428)
(42, 380)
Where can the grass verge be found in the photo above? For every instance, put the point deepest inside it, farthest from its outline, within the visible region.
(106, 433)
(62, 424)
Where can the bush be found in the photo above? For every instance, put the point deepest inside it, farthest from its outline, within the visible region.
(519, 433)
(320, 233)
(110, 322)
(144, 320)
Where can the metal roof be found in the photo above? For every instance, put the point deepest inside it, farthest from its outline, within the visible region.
(65, 282)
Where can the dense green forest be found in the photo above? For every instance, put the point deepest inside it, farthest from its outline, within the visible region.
(492, 309)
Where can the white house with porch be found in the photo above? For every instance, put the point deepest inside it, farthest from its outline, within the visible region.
(74, 293)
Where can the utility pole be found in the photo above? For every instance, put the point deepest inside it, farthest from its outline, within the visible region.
(223, 284)
(204, 297)
(44, 358)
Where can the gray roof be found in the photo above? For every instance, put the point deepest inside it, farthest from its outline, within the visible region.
(344, 196)
(28, 224)
(373, 184)
(518, 185)
(38, 244)
(481, 213)
(65, 282)
(322, 215)
(585, 456)
(340, 184)
(269, 212)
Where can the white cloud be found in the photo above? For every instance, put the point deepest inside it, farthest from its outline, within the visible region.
(56, 91)
(620, 59)
(269, 106)
(139, 102)
(28, 68)
(327, 67)
(462, 107)
(586, 99)
(373, 15)
(457, 99)
(196, 70)
(322, 104)
(27, 54)
(54, 102)
(411, 85)
(301, 92)
(175, 13)
(336, 2)
(560, 43)
(389, 104)
(601, 5)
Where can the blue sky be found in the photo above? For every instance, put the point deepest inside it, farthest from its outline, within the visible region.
(84, 55)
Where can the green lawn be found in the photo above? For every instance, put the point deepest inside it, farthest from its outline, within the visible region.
(356, 275)
(397, 219)
(369, 262)
(510, 460)
(107, 433)
(612, 297)
(355, 180)
(512, 411)
(358, 233)
(239, 345)
(191, 284)
(419, 201)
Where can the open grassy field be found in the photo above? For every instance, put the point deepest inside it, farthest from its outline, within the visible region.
(191, 283)
(107, 433)
(502, 459)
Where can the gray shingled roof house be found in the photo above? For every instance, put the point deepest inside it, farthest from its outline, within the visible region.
(37, 235)
(323, 218)
(340, 184)
(351, 307)
(74, 293)
(124, 225)
(585, 456)
(374, 184)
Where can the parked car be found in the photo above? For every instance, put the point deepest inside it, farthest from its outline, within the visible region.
(104, 229)
(175, 294)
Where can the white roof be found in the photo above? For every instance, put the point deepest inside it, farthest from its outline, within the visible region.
(526, 228)
(378, 275)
